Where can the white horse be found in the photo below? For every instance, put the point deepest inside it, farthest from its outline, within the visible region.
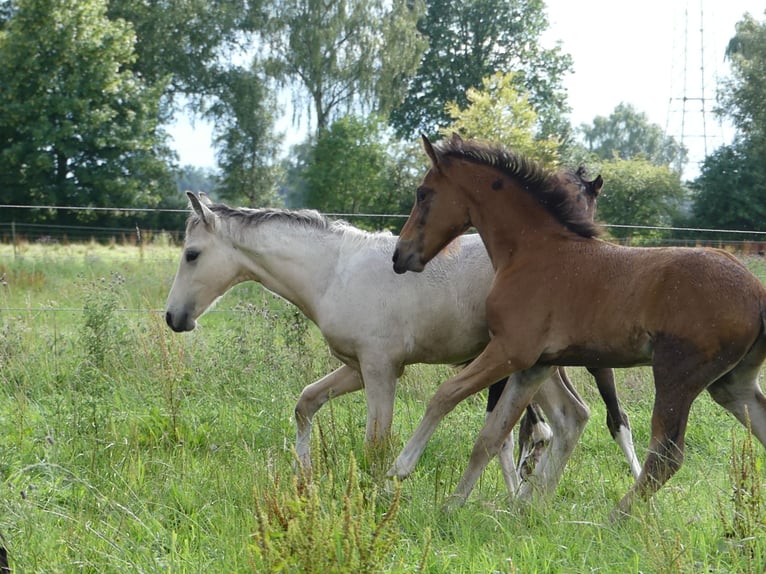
(341, 278)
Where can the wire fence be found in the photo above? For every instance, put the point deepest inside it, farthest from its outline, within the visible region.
(16, 232)
(752, 242)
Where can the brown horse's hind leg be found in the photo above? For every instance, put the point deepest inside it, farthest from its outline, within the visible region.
(616, 419)
(681, 373)
(738, 391)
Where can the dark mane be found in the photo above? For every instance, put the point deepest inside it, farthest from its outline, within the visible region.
(549, 188)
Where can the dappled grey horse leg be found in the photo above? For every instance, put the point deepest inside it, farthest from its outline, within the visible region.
(505, 456)
(616, 419)
(513, 401)
(341, 381)
(567, 415)
(535, 435)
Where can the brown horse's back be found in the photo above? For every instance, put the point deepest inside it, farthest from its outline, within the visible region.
(606, 304)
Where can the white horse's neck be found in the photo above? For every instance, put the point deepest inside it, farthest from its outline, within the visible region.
(293, 260)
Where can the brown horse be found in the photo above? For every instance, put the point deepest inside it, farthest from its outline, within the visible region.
(696, 316)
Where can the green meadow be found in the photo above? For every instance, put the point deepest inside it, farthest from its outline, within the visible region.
(125, 447)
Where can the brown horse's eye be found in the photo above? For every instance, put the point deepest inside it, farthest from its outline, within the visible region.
(420, 195)
(191, 256)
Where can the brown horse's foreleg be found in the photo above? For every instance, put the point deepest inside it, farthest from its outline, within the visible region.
(490, 366)
(515, 398)
(616, 419)
(341, 381)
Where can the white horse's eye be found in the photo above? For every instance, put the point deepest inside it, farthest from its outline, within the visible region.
(191, 256)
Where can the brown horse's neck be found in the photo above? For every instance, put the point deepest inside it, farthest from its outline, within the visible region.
(524, 220)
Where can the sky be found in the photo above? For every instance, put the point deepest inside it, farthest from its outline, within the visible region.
(651, 54)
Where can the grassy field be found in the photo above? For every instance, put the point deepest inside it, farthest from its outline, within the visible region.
(128, 448)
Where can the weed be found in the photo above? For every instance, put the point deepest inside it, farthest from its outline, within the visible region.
(100, 335)
(306, 530)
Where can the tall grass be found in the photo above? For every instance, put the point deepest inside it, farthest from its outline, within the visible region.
(128, 448)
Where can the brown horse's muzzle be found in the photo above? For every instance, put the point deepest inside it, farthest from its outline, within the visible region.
(406, 258)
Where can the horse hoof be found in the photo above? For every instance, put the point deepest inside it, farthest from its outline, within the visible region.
(452, 504)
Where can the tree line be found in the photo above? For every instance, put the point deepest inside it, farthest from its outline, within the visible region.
(88, 88)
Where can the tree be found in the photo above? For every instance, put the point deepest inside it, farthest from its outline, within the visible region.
(352, 169)
(730, 192)
(77, 126)
(345, 55)
(501, 113)
(628, 134)
(741, 95)
(186, 44)
(638, 192)
(473, 39)
(244, 137)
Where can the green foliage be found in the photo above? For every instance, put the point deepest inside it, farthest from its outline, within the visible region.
(500, 112)
(637, 192)
(180, 43)
(472, 40)
(353, 169)
(245, 139)
(77, 126)
(748, 499)
(343, 55)
(100, 335)
(628, 134)
(163, 467)
(741, 94)
(730, 192)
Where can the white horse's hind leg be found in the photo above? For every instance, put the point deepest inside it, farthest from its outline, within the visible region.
(341, 381)
(535, 436)
(507, 463)
(567, 415)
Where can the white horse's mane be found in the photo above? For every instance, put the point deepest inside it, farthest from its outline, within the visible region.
(239, 219)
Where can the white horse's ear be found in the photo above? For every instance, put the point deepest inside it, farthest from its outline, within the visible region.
(205, 198)
(201, 209)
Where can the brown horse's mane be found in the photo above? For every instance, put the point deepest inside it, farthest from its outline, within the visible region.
(543, 184)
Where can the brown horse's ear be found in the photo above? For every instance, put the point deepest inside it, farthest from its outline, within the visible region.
(597, 184)
(456, 139)
(201, 209)
(429, 149)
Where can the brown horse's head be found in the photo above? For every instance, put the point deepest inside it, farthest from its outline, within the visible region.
(446, 213)
(442, 211)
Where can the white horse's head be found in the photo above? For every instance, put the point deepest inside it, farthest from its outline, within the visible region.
(209, 267)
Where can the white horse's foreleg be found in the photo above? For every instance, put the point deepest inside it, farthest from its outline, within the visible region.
(505, 456)
(567, 415)
(491, 365)
(519, 391)
(341, 381)
(380, 390)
